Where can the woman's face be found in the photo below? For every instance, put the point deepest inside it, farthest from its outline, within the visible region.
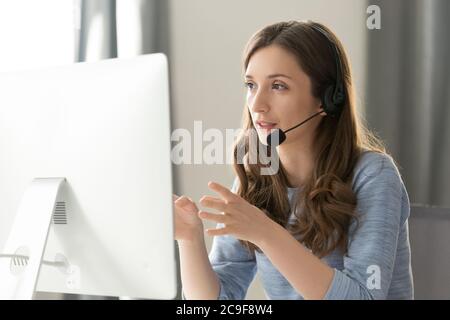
(279, 94)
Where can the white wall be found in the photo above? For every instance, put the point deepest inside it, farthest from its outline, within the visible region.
(207, 40)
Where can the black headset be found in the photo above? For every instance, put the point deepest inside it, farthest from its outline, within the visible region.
(333, 97)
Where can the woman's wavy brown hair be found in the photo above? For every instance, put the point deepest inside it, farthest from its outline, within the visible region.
(327, 200)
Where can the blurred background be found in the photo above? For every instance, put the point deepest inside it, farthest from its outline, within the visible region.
(401, 73)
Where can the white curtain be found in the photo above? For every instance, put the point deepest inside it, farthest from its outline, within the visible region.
(122, 28)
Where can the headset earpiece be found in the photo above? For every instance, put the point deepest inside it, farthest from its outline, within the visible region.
(332, 101)
(333, 97)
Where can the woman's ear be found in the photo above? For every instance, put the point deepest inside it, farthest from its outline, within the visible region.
(323, 114)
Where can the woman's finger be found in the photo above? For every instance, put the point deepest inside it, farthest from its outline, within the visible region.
(223, 191)
(184, 202)
(181, 201)
(218, 232)
(220, 218)
(213, 203)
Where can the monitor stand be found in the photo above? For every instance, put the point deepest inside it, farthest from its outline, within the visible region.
(21, 259)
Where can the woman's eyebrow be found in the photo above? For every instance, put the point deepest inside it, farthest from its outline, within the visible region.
(271, 76)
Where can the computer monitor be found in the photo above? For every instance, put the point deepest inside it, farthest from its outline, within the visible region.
(104, 127)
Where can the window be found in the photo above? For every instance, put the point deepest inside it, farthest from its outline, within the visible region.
(36, 34)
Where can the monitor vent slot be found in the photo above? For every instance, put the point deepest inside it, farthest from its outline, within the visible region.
(60, 214)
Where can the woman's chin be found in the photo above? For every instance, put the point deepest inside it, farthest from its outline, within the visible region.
(262, 137)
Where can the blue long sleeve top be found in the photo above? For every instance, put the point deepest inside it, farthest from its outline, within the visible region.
(377, 264)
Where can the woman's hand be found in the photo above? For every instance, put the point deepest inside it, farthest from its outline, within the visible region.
(241, 219)
(188, 225)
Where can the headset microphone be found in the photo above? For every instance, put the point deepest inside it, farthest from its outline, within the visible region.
(277, 136)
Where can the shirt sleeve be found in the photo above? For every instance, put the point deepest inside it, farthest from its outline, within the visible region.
(370, 259)
(234, 265)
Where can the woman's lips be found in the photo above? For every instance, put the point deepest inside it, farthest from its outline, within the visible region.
(266, 125)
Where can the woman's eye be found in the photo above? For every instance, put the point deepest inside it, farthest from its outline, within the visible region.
(279, 86)
(249, 85)
(276, 86)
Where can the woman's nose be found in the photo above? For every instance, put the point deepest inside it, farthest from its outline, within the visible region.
(259, 103)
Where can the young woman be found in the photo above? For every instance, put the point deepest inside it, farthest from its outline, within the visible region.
(332, 223)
